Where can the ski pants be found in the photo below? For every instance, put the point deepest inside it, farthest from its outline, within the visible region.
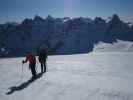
(43, 66)
(32, 68)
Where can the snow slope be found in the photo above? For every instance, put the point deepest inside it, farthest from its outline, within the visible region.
(93, 76)
(119, 46)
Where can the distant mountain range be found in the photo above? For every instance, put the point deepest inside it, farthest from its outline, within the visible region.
(61, 35)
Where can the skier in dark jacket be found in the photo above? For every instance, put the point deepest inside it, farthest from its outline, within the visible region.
(32, 63)
(42, 57)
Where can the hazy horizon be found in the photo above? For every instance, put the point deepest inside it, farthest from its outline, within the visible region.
(17, 10)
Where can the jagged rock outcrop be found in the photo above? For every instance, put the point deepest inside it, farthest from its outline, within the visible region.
(61, 35)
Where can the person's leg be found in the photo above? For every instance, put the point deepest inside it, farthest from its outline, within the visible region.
(44, 65)
(33, 71)
(41, 67)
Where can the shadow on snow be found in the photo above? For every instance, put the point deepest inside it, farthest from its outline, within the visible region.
(23, 85)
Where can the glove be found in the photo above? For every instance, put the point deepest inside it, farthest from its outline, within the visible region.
(23, 61)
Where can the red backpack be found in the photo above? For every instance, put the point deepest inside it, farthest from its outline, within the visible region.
(31, 58)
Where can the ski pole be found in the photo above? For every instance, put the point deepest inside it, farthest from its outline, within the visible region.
(21, 77)
(22, 73)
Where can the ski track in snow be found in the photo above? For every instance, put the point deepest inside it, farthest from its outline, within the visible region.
(93, 76)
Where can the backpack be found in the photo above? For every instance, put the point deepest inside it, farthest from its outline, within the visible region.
(42, 55)
(31, 58)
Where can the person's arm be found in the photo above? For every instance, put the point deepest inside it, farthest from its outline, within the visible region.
(24, 61)
(46, 54)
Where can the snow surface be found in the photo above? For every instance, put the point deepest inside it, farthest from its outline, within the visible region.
(93, 76)
(119, 46)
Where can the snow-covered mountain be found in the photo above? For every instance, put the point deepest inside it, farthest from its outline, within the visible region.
(118, 46)
(61, 35)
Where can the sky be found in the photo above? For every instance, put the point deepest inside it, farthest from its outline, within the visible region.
(17, 10)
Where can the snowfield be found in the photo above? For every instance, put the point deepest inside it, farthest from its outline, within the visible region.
(92, 76)
(119, 46)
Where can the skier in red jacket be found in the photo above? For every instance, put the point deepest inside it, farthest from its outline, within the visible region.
(32, 63)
